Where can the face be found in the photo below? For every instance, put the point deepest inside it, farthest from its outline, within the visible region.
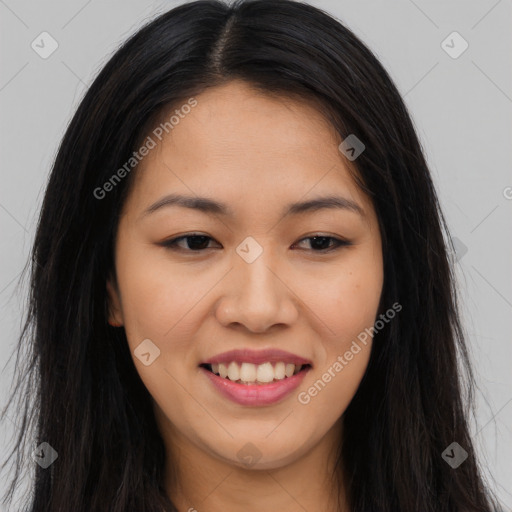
(245, 284)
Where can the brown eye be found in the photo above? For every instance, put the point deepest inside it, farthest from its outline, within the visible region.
(192, 243)
(323, 243)
(198, 243)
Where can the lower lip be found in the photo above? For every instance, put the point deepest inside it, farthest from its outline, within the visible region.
(256, 394)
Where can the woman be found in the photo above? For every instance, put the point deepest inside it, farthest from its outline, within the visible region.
(241, 294)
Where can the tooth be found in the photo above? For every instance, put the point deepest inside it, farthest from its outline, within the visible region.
(265, 373)
(248, 372)
(279, 371)
(233, 371)
(223, 371)
(289, 369)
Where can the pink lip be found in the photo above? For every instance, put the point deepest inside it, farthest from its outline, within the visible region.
(258, 357)
(256, 394)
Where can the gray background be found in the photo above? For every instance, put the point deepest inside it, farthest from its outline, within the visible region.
(461, 108)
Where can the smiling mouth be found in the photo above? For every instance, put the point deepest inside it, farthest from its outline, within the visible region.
(256, 374)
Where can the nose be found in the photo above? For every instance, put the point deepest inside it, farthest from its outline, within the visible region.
(257, 296)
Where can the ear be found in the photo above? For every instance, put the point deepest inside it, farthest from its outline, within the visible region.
(115, 316)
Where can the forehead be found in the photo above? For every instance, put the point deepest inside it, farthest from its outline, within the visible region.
(243, 144)
(235, 121)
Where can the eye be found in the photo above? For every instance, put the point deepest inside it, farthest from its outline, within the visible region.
(198, 242)
(193, 242)
(321, 243)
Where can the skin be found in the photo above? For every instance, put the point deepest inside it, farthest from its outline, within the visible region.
(257, 154)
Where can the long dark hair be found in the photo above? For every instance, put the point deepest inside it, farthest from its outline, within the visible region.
(77, 385)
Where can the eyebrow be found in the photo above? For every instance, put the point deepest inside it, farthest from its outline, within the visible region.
(207, 205)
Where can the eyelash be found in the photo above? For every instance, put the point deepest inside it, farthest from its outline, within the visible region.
(172, 243)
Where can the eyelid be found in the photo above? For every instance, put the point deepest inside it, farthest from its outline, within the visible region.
(338, 241)
(171, 242)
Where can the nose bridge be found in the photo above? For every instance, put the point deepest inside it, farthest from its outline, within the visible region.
(257, 281)
(258, 298)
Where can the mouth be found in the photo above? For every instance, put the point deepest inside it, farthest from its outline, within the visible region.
(246, 373)
(256, 378)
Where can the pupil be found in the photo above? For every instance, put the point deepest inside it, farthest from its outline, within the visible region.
(193, 239)
(315, 239)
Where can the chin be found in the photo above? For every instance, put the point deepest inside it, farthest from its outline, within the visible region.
(255, 454)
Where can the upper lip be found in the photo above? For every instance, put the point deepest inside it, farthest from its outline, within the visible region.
(257, 357)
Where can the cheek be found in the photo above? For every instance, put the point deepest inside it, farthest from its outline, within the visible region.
(347, 305)
(347, 298)
(157, 303)
(350, 305)
(157, 296)
(348, 309)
